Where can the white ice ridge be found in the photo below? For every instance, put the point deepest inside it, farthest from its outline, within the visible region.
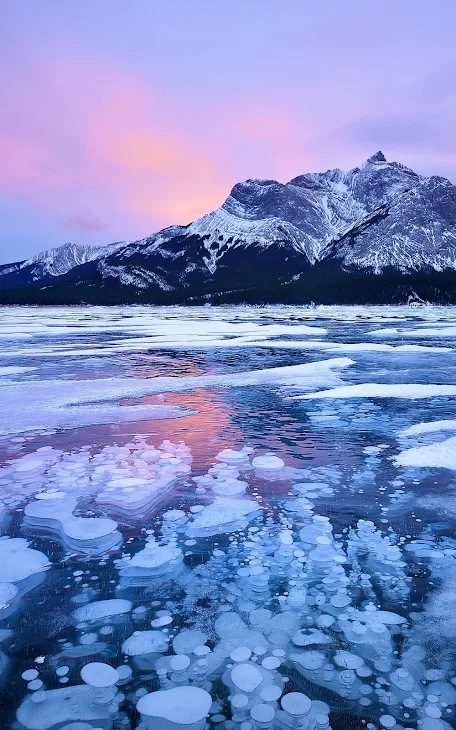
(434, 331)
(167, 335)
(28, 322)
(385, 390)
(345, 346)
(441, 455)
(167, 324)
(44, 404)
(429, 427)
(12, 370)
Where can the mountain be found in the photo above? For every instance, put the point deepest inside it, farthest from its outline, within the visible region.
(379, 233)
(51, 263)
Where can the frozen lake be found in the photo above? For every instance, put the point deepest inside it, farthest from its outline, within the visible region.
(236, 516)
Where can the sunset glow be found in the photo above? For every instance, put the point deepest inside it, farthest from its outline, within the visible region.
(113, 126)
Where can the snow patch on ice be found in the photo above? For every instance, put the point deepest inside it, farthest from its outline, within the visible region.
(385, 390)
(440, 455)
(429, 427)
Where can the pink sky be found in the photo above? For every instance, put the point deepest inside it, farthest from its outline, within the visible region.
(118, 119)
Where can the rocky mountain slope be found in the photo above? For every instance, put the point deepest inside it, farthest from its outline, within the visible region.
(377, 233)
(52, 263)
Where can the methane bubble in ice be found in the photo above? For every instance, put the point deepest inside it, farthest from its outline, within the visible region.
(143, 589)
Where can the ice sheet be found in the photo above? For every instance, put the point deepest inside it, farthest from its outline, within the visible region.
(46, 404)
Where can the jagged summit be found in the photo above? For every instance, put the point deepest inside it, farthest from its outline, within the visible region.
(378, 157)
(59, 260)
(380, 218)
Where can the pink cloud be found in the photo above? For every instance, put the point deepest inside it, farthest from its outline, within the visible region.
(83, 223)
(276, 143)
(99, 140)
(106, 145)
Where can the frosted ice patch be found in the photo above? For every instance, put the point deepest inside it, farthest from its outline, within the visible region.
(440, 455)
(90, 535)
(435, 331)
(350, 346)
(429, 427)
(181, 706)
(246, 677)
(268, 461)
(18, 561)
(102, 609)
(15, 370)
(74, 403)
(54, 708)
(224, 515)
(231, 455)
(153, 561)
(7, 592)
(229, 487)
(145, 642)
(98, 674)
(385, 390)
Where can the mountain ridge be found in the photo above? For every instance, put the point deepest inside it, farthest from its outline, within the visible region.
(311, 236)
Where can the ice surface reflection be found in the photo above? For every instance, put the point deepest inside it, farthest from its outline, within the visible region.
(276, 549)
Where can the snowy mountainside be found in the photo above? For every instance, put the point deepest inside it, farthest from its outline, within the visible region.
(416, 230)
(59, 260)
(308, 213)
(53, 262)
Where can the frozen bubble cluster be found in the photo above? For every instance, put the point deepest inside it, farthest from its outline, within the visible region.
(125, 482)
(232, 612)
(21, 569)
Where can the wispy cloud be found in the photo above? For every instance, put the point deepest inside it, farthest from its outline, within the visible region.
(83, 223)
(110, 147)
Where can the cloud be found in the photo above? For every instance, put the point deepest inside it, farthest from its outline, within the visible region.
(267, 138)
(438, 87)
(106, 144)
(395, 129)
(83, 223)
(106, 151)
(103, 149)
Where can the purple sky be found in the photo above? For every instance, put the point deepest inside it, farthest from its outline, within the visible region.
(119, 118)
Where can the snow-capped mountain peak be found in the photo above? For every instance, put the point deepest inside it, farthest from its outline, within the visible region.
(378, 157)
(308, 213)
(60, 260)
